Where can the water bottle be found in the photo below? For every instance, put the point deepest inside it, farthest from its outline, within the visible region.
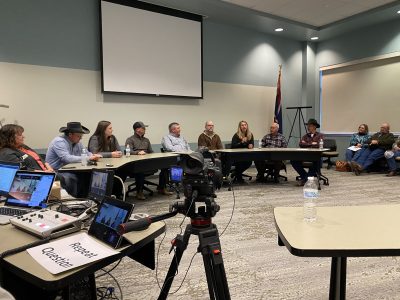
(127, 151)
(310, 192)
(260, 143)
(321, 144)
(84, 157)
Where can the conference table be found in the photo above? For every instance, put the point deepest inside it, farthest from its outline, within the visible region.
(230, 156)
(25, 278)
(340, 232)
(135, 163)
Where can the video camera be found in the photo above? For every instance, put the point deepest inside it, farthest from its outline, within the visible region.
(201, 176)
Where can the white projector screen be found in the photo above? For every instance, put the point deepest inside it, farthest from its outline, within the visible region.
(149, 49)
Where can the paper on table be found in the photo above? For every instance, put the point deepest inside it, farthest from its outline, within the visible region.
(71, 252)
(354, 148)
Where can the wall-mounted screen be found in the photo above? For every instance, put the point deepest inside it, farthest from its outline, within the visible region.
(149, 49)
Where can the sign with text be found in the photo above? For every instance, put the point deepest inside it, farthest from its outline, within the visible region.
(71, 252)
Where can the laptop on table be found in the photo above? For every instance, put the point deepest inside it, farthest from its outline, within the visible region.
(7, 173)
(28, 192)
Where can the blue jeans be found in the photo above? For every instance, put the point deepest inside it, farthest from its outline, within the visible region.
(366, 157)
(349, 154)
(312, 171)
(392, 161)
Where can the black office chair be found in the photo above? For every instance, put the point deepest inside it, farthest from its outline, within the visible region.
(132, 187)
(270, 174)
(232, 170)
(331, 145)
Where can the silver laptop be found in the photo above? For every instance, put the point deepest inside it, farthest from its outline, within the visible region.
(28, 192)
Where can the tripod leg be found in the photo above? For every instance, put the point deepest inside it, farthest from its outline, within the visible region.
(210, 248)
(294, 122)
(181, 242)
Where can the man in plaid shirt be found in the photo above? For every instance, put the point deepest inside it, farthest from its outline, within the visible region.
(272, 140)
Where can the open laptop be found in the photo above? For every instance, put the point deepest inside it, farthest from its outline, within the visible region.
(28, 192)
(7, 173)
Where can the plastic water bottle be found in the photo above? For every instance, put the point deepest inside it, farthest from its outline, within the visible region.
(260, 143)
(127, 151)
(84, 157)
(310, 192)
(321, 144)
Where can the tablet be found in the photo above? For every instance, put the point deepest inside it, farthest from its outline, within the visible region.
(110, 215)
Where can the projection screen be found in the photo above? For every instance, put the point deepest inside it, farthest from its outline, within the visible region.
(149, 49)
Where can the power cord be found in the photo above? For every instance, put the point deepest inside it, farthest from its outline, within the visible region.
(233, 209)
(123, 187)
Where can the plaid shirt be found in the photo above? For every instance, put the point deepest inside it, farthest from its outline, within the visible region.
(274, 141)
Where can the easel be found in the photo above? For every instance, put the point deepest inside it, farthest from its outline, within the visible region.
(5, 106)
(299, 114)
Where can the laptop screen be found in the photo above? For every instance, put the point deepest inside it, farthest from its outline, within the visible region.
(7, 173)
(30, 189)
(101, 184)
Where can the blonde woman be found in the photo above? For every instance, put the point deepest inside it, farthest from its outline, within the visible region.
(243, 138)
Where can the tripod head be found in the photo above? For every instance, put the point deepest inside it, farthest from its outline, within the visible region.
(202, 175)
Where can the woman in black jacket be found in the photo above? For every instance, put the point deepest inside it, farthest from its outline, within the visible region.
(13, 149)
(243, 138)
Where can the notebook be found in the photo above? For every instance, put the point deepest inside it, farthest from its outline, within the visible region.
(7, 173)
(28, 192)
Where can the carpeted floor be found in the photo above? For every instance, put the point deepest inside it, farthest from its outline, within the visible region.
(256, 267)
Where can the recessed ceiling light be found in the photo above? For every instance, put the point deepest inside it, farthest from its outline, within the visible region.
(314, 38)
(398, 11)
(279, 29)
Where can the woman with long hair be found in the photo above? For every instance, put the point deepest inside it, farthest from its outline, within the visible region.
(13, 149)
(103, 142)
(358, 141)
(243, 138)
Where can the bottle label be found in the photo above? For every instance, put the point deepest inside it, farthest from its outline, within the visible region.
(311, 194)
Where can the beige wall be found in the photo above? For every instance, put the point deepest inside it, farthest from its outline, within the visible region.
(42, 99)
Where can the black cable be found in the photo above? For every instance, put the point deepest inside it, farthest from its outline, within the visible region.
(108, 271)
(24, 247)
(185, 215)
(158, 253)
(184, 277)
(233, 210)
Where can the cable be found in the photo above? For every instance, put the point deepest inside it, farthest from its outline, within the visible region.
(24, 247)
(158, 253)
(108, 271)
(123, 187)
(185, 215)
(233, 210)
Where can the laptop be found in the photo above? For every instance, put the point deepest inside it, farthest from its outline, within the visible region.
(28, 192)
(7, 173)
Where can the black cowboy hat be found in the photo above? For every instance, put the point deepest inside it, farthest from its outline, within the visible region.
(313, 122)
(74, 127)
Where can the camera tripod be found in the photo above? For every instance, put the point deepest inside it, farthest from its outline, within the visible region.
(210, 248)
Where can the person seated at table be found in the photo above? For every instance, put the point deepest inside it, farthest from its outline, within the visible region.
(377, 145)
(13, 149)
(390, 156)
(274, 139)
(66, 149)
(173, 141)
(310, 140)
(103, 142)
(243, 138)
(140, 145)
(209, 139)
(357, 141)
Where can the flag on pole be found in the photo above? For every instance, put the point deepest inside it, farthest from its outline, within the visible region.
(278, 102)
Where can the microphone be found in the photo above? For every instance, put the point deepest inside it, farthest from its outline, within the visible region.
(4, 105)
(143, 223)
(140, 224)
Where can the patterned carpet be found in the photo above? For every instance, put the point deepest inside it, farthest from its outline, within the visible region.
(256, 267)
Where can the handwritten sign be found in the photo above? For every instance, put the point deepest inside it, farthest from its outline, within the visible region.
(71, 252)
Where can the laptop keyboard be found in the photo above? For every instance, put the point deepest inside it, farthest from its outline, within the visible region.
(7, 211)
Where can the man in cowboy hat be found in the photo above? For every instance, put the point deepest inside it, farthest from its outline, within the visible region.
(309, 140)
(65, 149)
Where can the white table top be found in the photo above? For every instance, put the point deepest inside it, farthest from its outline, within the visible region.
(116, 162)
(341, 231)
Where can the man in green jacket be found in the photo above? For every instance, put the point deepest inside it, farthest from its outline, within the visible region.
(377, 145)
